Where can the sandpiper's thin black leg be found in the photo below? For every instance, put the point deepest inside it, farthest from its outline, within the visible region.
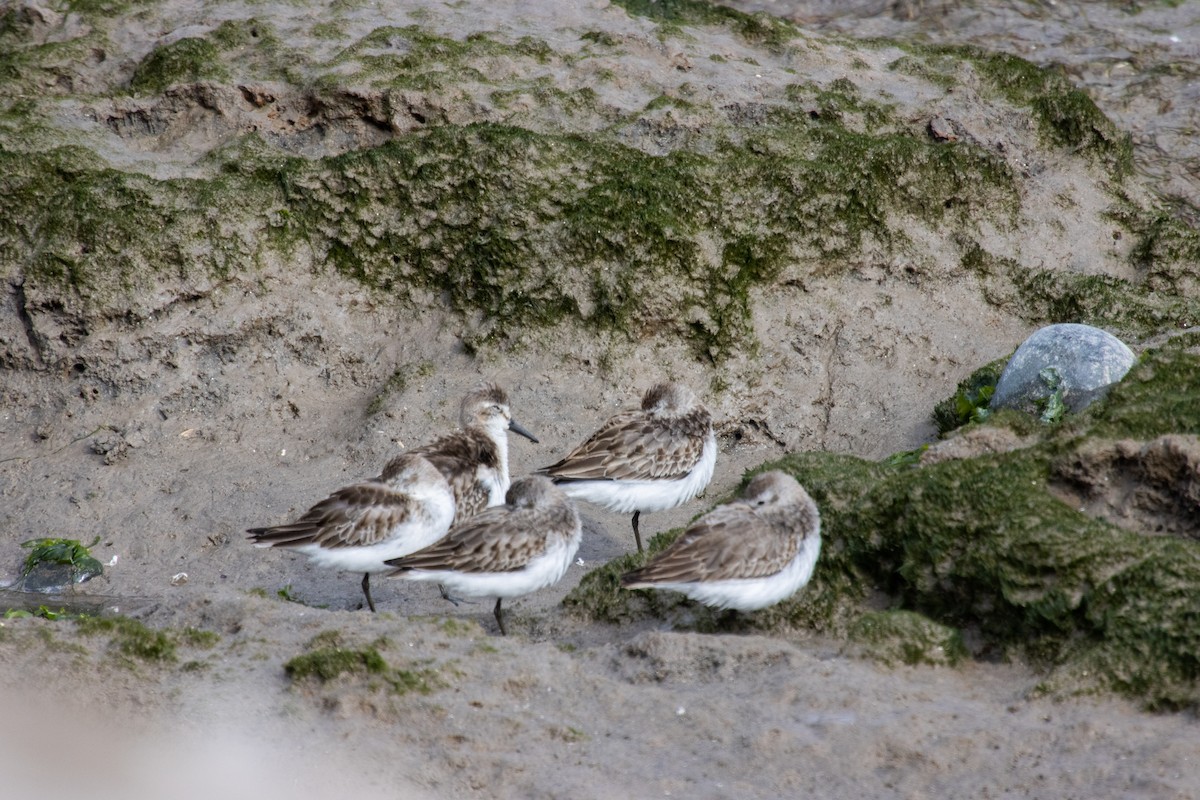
(366, 584)
(447, 596)
(637, 535)
(499, 619)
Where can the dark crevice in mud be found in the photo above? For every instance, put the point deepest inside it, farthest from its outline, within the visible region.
(31, 334)
(312, 124)
(1152, 488)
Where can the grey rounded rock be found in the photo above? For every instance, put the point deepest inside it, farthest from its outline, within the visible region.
(1081, 361)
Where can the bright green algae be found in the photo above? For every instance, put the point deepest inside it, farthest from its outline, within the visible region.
(980, 544)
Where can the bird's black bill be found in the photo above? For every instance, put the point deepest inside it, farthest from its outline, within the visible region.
(515, 427)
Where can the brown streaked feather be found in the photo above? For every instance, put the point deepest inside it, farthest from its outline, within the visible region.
(731, 542)
(458, 456)
(484, 393)
(355, 516)
(635, 445)
(468, 446)
(500, 539)
(751, 538)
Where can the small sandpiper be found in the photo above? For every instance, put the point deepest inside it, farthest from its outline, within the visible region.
(744, 555)
(504, 551)
(474, 459)
(642, 460)
(359, 527)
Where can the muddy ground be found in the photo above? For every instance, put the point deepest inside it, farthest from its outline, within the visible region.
(241, 402)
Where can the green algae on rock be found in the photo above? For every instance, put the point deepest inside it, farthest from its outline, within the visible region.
(984, 543)
(54, 563)
(1157, 397)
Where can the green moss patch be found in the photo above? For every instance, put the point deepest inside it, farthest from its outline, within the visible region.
(328, 663)
(30, 65)
(412, 57)
(905, 637)
(97, 240)
(521, 231)
(1158, 396)
(1167, 249)
(329, 658)
(503, 209)
(182, 61)
(1163, 300)
(1065, 115)
(763, 29)
(243, 47)
(131, 638)
(104, 7)
(982, 544)
(487, 216)
(132, 643)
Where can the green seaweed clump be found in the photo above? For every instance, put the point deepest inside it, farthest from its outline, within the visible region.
(1052, 407)
(55, 562)
(971, 400)
(985, 544)
(69, 552)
